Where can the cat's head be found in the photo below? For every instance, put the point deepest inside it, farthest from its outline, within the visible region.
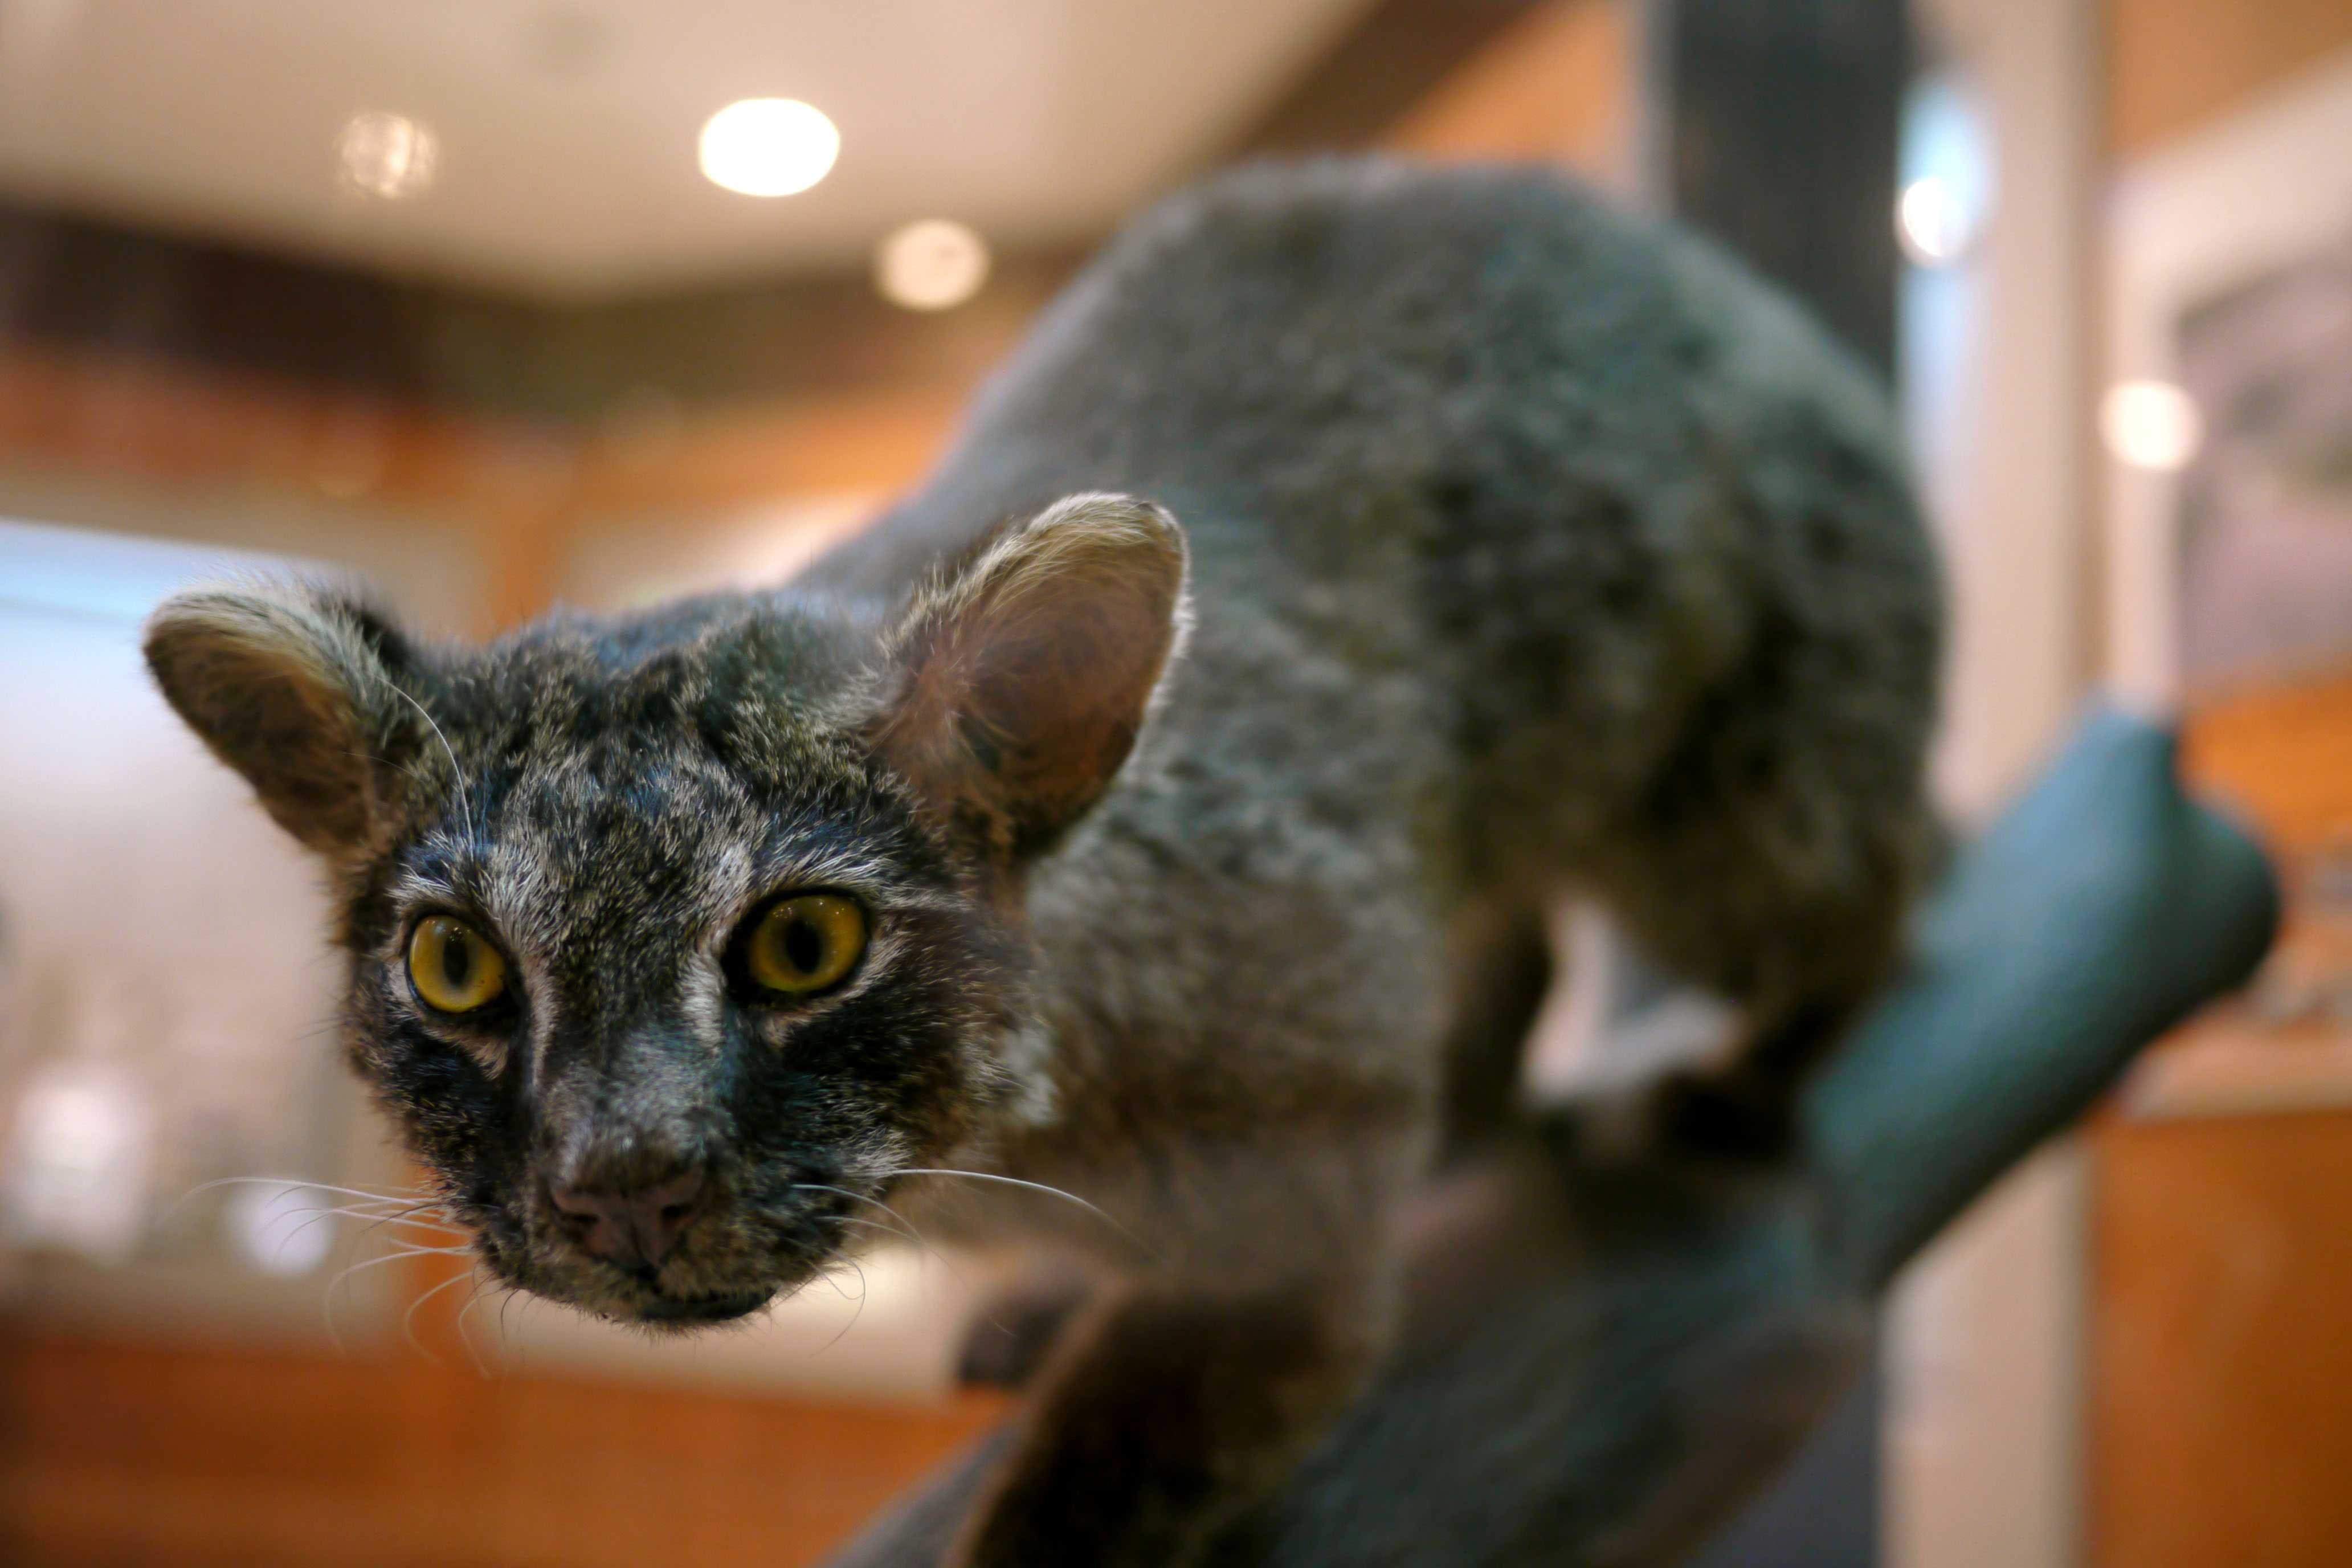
(673, 938)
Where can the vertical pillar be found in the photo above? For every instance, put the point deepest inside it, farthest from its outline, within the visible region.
(1775, 130)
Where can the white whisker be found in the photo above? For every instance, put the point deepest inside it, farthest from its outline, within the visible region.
(402, 1251)
(912, 1233)
(1033, 1186)
(377, 1221)
(457, 773)
(905, 1229)
(408, 1319)
(299, 1184)
(864, 1290)
(395, 1257)
(876, 1225)
(473, 1352)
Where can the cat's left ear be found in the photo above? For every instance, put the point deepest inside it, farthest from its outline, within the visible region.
(294, 686)
(1022, 680)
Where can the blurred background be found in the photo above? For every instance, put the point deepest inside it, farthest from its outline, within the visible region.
(511, 302)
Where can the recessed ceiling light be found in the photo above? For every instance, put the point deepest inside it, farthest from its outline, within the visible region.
(387, 155)
(768, 146)
(1932, 223)
(1948, 176)
(931, 265)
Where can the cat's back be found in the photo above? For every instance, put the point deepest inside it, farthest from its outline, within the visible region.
(1561, 470)
(1352, 368)
(1532, 547)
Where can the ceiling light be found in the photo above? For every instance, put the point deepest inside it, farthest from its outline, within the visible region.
(1946, 173)
(931, 265)
(2150, 424)
(768, 146)
(1931, 223)
(387, 155)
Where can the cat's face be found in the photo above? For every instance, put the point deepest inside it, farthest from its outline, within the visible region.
(677, 979)
(673, 943)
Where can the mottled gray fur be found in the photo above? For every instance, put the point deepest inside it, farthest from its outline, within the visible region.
(1529, 551)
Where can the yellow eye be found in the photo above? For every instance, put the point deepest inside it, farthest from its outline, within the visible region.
(453, 969)
(806, 943)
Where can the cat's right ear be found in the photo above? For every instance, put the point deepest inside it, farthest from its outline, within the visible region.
(293, 686)
(1025, 676)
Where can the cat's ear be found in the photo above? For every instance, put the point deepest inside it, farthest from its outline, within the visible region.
(1021, 679)
(291, 685)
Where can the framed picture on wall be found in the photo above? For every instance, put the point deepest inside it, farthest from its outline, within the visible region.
(2227, 418)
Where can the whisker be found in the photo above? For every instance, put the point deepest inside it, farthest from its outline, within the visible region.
(907, 1227)
(918, 1239)
(913, 1234)
(1033, 1186)
(351, 1211)
(864, 1290)
(506, 1299)
(408, 1319)
(410, 1221)
(457, 773)
(473, 1352)
(402, 1251)
(357, 1212)
(401, 1256)
(876, 1225)
(313, 1217)
(291, 1183)
(405, 1203)
(354, 1211)
(399, 1207)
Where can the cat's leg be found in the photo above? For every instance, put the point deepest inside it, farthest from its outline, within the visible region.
(1613, 1029)
(1503, 969)
(1012, 1336)
(1164, 1413)
(1186, 1391)
(1773, 862)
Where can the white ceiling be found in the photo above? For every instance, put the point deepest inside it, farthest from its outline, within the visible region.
(567, 128)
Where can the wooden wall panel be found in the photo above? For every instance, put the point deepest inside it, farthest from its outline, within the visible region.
(2219, 1410)
(2220, 1311)
(121, 1455)
(2282, 756)
(1557, 86)
(2172, 64)
(2221, 1343)
(523, 489)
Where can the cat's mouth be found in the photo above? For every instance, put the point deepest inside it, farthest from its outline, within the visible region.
(691, 1312)
(679, 1303)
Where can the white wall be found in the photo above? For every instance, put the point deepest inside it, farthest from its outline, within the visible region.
(1985, 1363)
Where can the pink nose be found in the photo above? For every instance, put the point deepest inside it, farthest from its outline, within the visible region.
(636, 1230)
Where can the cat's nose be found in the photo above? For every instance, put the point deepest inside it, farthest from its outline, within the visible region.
(633, 1229)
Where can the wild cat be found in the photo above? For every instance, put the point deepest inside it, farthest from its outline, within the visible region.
(1525, 552)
